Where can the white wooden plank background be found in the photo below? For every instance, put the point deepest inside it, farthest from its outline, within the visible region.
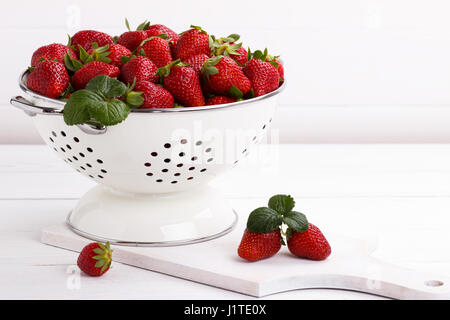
(350, 64)
(387, 194)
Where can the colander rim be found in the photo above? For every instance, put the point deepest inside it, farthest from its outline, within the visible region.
(44, 99)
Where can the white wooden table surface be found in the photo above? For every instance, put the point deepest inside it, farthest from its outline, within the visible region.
(396, 196)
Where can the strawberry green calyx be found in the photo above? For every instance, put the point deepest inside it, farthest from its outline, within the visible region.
(165, 71)
(209, 68)
(103, 257)
(133, 98)
(198, 28)
(236, 93)
(143, 26)
(71, 63)
(225, 46)
(99, 54)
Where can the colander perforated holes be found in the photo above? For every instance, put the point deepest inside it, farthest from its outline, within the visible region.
(177, 174)
(208, 150)
(70, 160)
(76, 139)
(149, 174)
(104, 171)
(270, 120)
(147, 164)
(99, 161)
(183, 141)
(173, 182)
(190, 178)
(89, 149)
(167, 145)
(51, 139)
(194, 158)
(179, 165)
(75, 158)
(83, 168)
(191, 168)
(210, 159)
(82, 154)
(264, 126)
(198, 143)
(154, 154)
(63, 133)
(159, 180)
(244, 151)
(100, 176)
(87, 164)
(254, 138)
(54, 148)
(165, 170)
(181, 154)
(203, 170)
(54, 133)
(63, 150)
(166, 160)
(91, 176)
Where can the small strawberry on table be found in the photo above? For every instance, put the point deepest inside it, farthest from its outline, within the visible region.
(95, 259)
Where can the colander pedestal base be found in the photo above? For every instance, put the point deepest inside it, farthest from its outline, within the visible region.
(179, 218)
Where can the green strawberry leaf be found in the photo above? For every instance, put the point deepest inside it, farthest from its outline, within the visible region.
(296, 221)
(76, 110)
(110, 112)
(263, 220)
(106, 86)
(71, 63)
(281, 203)
(236, 93)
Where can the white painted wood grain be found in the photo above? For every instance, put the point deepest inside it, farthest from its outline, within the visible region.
(347, 55)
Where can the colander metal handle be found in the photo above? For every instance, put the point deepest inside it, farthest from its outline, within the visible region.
(32, 110)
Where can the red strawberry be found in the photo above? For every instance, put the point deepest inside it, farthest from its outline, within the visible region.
(192, 42)
(92, 69)
(132, 39)
(86, 37)
(157, 29)
(196, 62)
(154, 95)
(220, 100)
(222, 73)
(263, 75)
(110, 53)
(95, 259)
(310, 244)
(51, 52)
(49, 78)
(241, 57)
(278, 65)
(158, 50)
(256, 246)
(141, 68)
(183, 83)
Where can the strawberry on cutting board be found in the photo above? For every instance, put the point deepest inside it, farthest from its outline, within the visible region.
(263, 236)
(310, 244)
(95, 259)
(256, 246)
(49, 78)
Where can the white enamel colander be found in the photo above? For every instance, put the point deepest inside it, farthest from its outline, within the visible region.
(153, 168)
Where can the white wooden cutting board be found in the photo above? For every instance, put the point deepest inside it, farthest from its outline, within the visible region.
(216, 263)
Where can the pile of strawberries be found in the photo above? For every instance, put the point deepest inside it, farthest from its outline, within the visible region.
(165, 68)
(263, 236)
